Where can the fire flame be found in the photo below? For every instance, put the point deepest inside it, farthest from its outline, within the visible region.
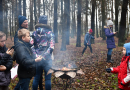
(65, 68)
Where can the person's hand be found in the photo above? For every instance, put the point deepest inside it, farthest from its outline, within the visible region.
(10, 52)
(38, 59)
(2, 68)
(108, 70)
(114, 32)
(87, 43)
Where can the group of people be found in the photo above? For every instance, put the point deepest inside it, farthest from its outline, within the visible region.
(123, 70)
(33, 54)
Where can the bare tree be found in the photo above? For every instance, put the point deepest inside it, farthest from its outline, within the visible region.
(1, 15)
(31, 15)
(24, 8)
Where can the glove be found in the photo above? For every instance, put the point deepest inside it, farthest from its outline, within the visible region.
(108, 70)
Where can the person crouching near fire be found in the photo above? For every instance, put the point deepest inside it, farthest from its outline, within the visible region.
(25, 58)
(6, 63)
(123, 70)
(87, 41)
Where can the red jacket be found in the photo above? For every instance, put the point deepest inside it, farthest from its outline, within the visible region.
(123, 71)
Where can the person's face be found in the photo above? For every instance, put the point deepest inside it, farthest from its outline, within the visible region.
(124, 51)
(26, 38)
(25, 24)
(90, 32)
(2, 41)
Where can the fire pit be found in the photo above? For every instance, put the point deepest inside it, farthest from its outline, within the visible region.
(66, 75)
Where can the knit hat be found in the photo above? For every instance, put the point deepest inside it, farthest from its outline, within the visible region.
(90, 30)
(109, 22)
(127, 46)
(43, 19)
(21, 19)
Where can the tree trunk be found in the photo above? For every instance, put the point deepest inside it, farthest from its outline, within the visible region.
(38, 8)
(35, 12)
(44, 7)
(31, 15)
(1, 16)
(122, 28)
(78, 43)
(68, 21)
(116, 15)
(93, 19)
(55, 21)
(86, 27)
(20, 12)
(24, 8)
(103, 19)
(96, 23)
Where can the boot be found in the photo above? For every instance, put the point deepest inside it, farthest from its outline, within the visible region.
(109, 60)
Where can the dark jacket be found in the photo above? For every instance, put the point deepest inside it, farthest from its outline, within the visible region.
(44, 44)
(25, 59)
(110, 37)
(87, 38)
(7, 61)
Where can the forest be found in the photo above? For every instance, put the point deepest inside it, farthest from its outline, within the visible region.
(70, 20)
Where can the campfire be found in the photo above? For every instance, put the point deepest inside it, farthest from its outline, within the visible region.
(67, 73)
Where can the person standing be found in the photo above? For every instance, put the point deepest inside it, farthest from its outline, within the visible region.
(43, 45)
(87, 41)
(110, 39)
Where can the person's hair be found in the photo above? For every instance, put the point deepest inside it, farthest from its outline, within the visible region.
(2, 34)
(108, 18)
(22, 33)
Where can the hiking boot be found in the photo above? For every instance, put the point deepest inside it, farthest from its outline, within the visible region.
(109, 60)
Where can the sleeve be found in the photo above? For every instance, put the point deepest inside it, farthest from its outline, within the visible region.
(108, 34)
(9, 63)
(115, 69)
(23, 57)
(92, 37)
(3, 58)
(127, 78)
(16, 38)
(51, 43)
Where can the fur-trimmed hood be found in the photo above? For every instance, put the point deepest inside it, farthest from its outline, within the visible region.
(43, 26)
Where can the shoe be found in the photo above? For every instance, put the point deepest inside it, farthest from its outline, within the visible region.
(109, 60)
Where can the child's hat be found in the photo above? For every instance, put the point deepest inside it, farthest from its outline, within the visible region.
(21, 19)
(127, 46)
(90, 30)
(43, 19)
(109, 22)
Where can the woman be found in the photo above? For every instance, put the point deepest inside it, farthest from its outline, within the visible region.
(110, 39)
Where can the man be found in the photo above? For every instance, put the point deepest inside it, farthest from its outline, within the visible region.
(43, 45)
(23, 23)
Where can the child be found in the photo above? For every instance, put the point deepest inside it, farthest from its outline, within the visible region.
(87, 41)
(5, 63)
(123, 69)
(25, 59)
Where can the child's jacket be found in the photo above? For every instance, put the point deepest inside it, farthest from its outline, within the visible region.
(43, 40)
(87, 39)
(123, 71)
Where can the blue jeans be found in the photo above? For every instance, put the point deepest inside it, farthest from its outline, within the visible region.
(86, 48)
(23, 84)
(42, 65)
(109, 51)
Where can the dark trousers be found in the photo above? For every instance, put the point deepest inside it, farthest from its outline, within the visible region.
(4, 88)
(86, 48)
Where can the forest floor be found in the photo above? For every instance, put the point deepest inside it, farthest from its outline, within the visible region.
(95, 77)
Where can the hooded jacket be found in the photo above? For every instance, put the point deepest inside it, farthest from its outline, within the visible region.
(87, 38)
(7, 61)
(110, 37)
(26, 60)
(123, 70)
(43, 41)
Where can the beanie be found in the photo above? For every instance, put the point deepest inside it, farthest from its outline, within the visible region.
(127, 47)
(21, 19)
(109, 22)
(90, 30)
(43, 19)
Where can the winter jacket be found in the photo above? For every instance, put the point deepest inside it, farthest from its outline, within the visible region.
(7, 61)
(43, 41)
(123, 71)
(110, 37)
(26, 60)
(87, 38)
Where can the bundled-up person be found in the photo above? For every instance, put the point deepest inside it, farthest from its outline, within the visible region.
(23, 23)
(6, 63)
(43, 45)
(123, 70)
(110, 39)
(87, 41)
(26, 59)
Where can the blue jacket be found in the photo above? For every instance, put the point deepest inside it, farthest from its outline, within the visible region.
(26, 60)
(87, 38)
(110, 37)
